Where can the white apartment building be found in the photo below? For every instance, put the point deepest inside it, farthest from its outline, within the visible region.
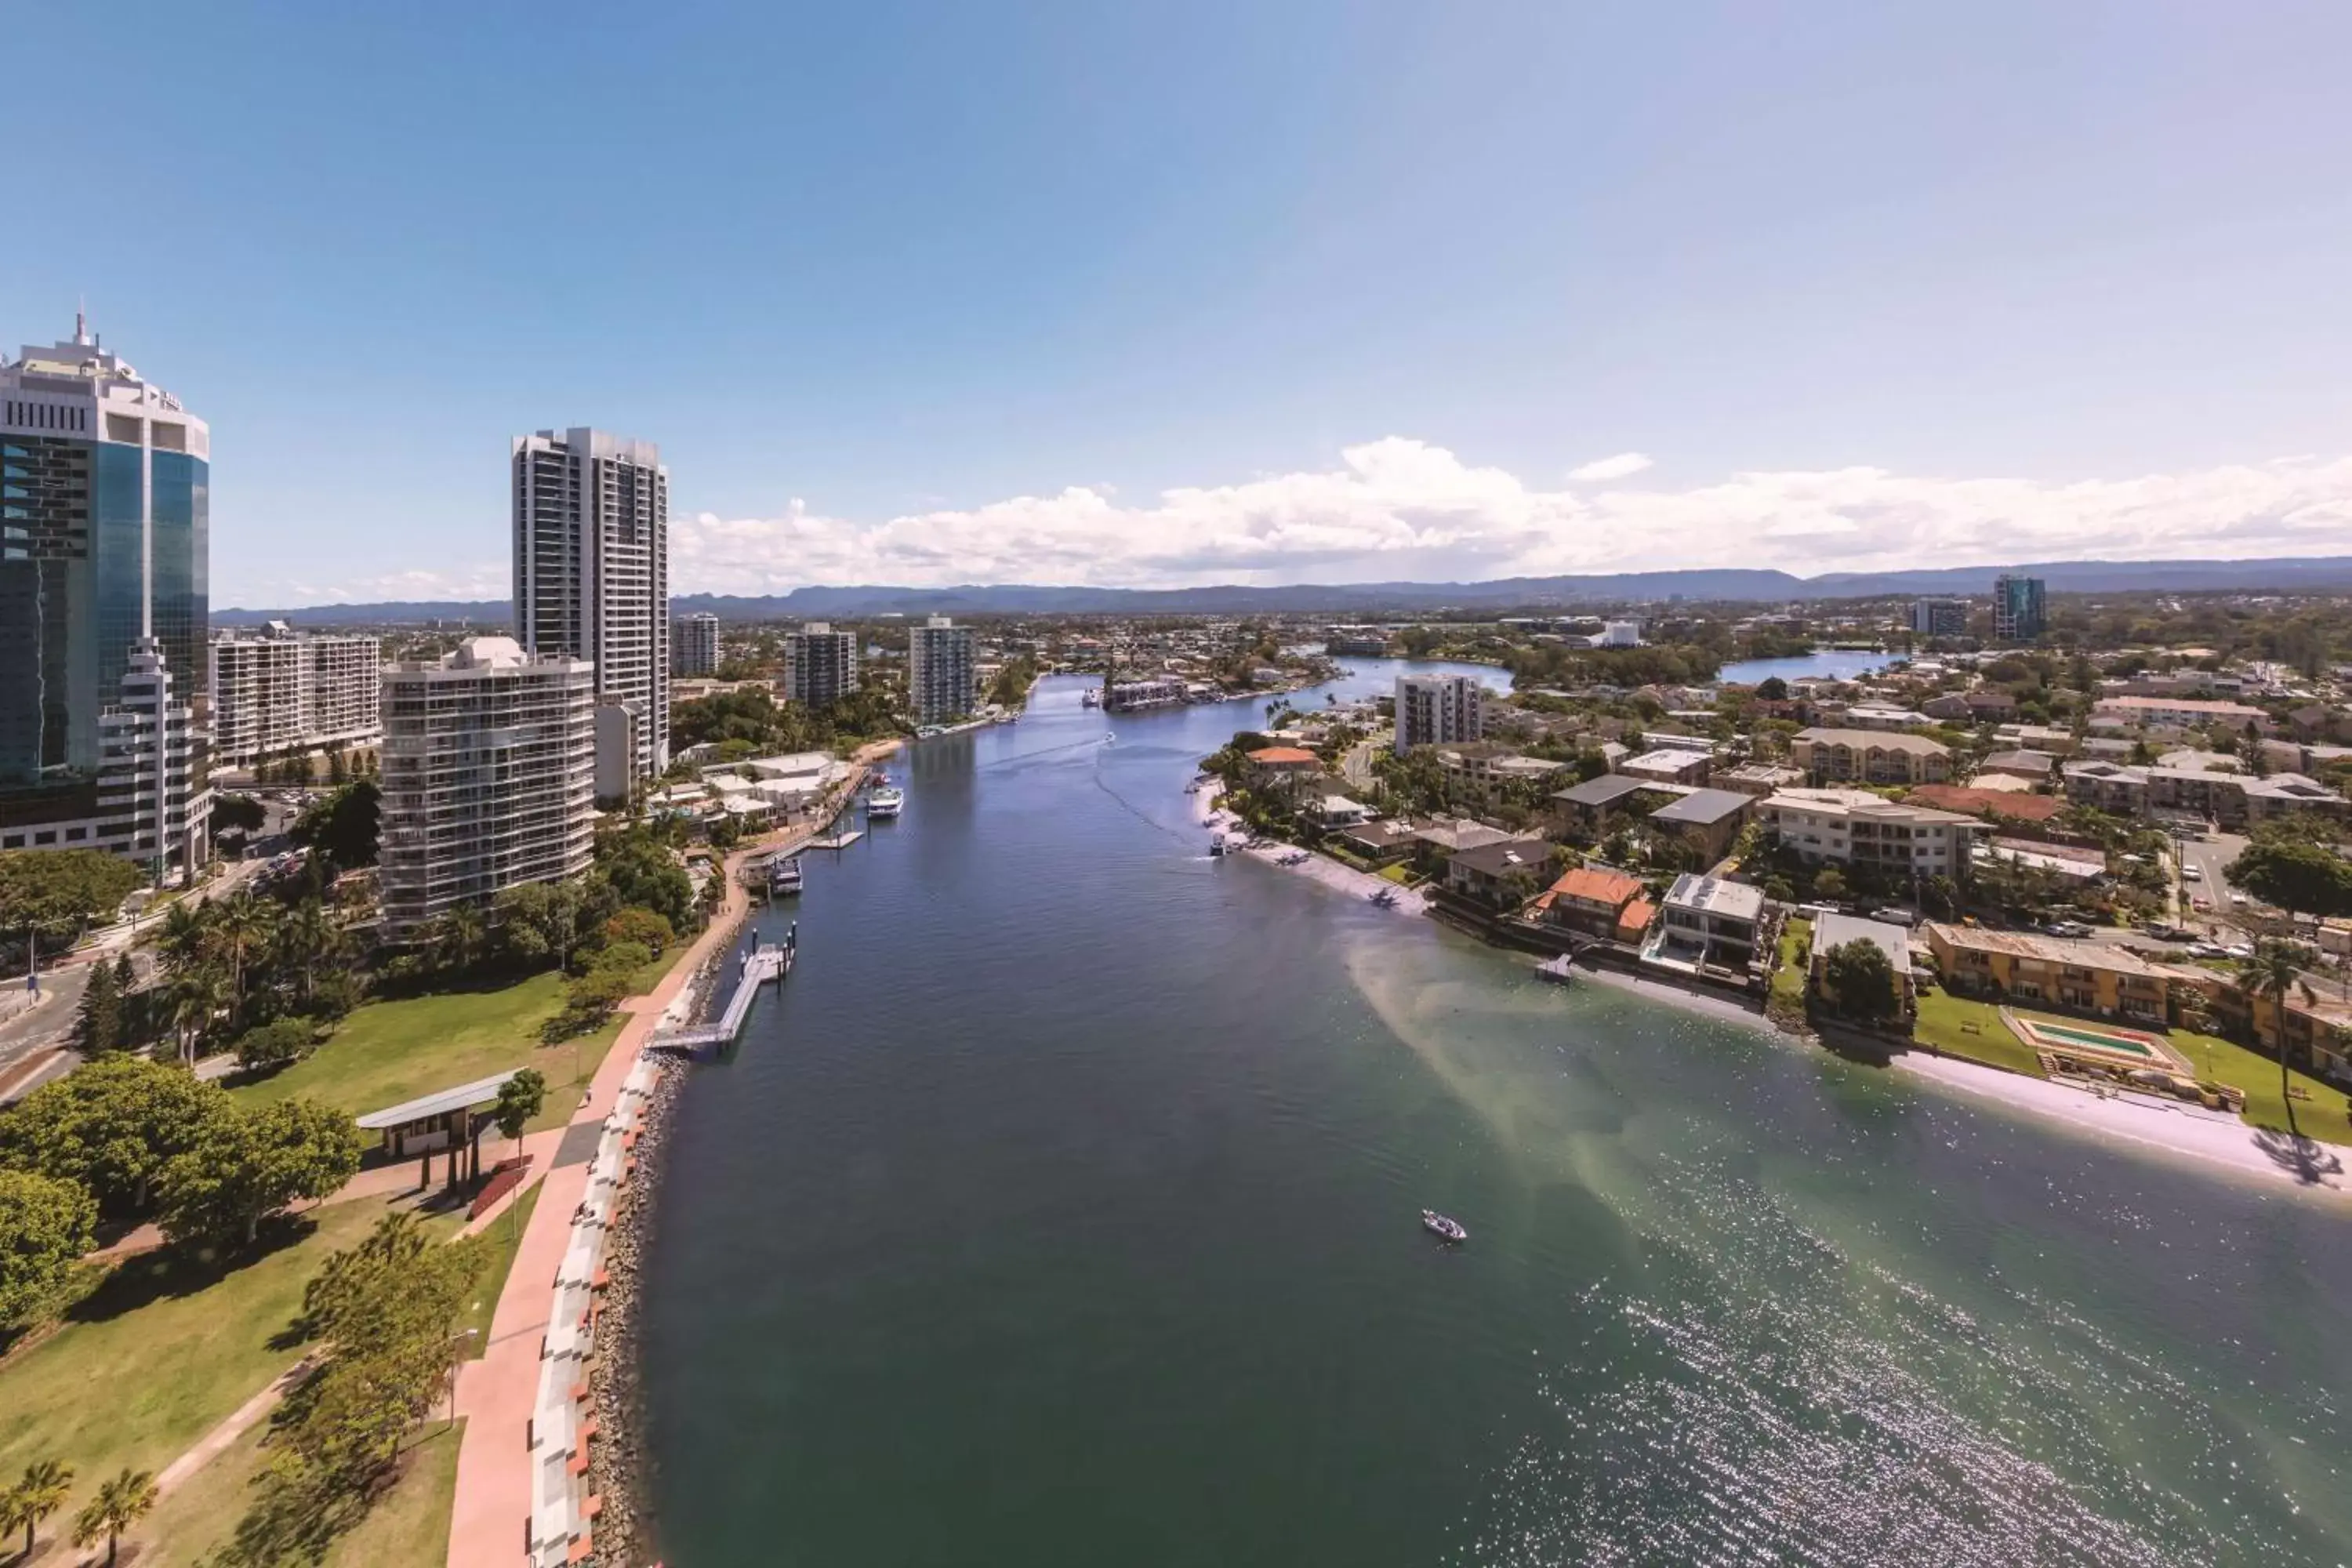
(489, 779)
(940, 671)
(694, 646)
(1855, 828)
(820, 664)
(1438, 711)
(592, 574)
(280, 694)
(153, 805)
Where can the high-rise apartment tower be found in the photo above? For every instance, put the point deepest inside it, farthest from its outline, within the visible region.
(939, 674)
(592, 577)
(1438, 709)
(820, 664)
(2017, 608)
(694, 645)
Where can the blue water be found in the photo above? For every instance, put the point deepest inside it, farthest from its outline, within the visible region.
(1836, 664)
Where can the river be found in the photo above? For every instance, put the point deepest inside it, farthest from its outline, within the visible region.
(1063, 1209)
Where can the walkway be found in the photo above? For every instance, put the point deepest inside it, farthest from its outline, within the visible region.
(489, 1525)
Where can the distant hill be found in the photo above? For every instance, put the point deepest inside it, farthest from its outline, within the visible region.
(2301, 574)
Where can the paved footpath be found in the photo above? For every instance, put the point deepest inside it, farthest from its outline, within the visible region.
(490, 1520)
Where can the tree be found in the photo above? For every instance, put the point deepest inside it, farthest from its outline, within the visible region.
(45, 1225)
(198, 996)
(274, 1045)
(38, 1493)
(2272, 973)
(120, 1504)
(241, 928)
(110, 1127)
(640, 926)
(240, 812)
(1772, 688)
(520, 1099)
(2297, 875)
(55, 894)
(455, 938)
(98, 1027)
(249, 1164)
(1830, 884)
(1860, 980)
(343, 828)
(636, 866)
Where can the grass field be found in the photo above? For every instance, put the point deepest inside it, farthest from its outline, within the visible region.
(1789, 977)
(1957, 1027)
(2321, 1114)
(386, 1052)
(161, 1354)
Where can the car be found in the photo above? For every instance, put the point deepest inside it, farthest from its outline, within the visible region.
(2238, 950)
(2192, 874)
(2067, 928)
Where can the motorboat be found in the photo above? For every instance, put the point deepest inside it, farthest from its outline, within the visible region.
(1440, 1226)
(1216, 843)
(784, 876)
(884, 801)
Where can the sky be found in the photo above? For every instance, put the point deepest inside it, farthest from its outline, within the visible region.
(1226, 291)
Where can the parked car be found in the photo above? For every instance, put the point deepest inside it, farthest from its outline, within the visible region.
(2192, 874)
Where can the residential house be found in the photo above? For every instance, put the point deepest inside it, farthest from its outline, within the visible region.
(1759, 779)
(1337, 811)
(2088, 976)
(1279, 766)
(2035, 767)
(1986, 703)
(1380, 843)
(1855, 827)
(1884, 716)
(1502, 875)
(1705, 923)
(1587, 810)
(1709, 820)
(2038, 738)
(1831, 931)
(1839, 756)
(1590, 900)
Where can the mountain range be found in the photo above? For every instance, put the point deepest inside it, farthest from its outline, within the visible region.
(2302, 575)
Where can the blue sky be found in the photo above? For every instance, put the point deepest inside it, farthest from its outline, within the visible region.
(1272, 291)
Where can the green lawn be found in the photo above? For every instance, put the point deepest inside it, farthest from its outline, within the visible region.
(1958, 1026)
(386, 1052)
(1788, 975)
(160, 1355)
(2321, 1115)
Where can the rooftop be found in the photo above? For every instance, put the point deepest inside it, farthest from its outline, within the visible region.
(481, 1091)
(1835, 931)
(1604, 790)
(1703, 808)
(1714, 896)
(1283, 756)
(1917, 745)
(1595, 885)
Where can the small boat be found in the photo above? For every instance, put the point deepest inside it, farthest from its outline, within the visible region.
(884, 801)
(1439, 1224)
(1216, 843)
(784, 876)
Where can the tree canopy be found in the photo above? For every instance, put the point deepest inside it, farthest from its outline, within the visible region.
(45, 1225)
(56, 894)
(344, 825)
(1860, 980)
(2295, 874)
(246, 1166)
(111, 1127)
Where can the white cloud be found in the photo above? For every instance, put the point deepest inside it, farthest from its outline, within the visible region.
(1399, 509)
(1623, 466)
(1402, 509)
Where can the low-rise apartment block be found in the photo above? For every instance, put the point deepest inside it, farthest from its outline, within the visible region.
(2088, 976)
(1855, 827)
(2178, 713)
(1864, 756)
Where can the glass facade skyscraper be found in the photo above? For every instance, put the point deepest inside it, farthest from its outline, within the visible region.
(105, 512)
(2018, 608)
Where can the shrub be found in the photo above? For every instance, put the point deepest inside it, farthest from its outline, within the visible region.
(644, 927)
(276, 1044)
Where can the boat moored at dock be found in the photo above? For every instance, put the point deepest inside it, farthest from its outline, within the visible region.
(784, 876)
(884, 803)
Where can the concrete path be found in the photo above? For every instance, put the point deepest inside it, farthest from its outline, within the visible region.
(490, 1520)
(215, 1443)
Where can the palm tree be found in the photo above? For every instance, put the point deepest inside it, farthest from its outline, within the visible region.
(40, 1493)
(197, 995)
(2274, 972)
(120, 1504)
(306, 938)
(241, 926)
(182, 937)
(459, 936)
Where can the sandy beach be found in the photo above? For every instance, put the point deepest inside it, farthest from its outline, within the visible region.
(1723, 1007)
(1319, 868)
(2212, 1137)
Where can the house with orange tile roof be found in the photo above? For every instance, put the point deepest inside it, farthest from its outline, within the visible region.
(1280, 765)
(1590, 899)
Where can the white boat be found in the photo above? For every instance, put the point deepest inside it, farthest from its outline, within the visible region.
(884, 802)
(784, 876)
(1451, 1229)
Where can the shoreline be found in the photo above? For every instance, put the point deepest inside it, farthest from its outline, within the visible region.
(2206, 1140)
(1320, 869)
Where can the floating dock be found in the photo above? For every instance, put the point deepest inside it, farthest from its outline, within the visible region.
(761, 965)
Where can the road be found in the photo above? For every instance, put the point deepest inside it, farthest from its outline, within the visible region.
(32, 1043)
(1356, 767)
(2210, 854)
